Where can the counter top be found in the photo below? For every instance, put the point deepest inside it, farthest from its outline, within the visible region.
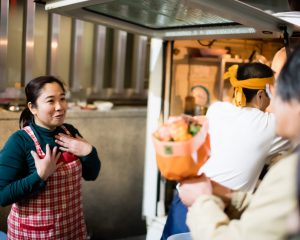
(115, 112)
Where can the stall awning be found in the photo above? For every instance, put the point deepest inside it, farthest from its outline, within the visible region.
(182, 19)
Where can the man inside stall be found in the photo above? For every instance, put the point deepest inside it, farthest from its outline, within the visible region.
(265, 214)
(245, 125)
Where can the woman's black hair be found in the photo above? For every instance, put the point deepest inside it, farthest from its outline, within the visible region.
(288, 82)
(32, 92)
(253, 70)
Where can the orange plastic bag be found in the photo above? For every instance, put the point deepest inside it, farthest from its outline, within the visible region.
(180, 160)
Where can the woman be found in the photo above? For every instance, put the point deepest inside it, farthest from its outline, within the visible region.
(266, 213)
(41, 166)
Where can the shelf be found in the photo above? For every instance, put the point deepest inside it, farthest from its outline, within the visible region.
(206, 59)
(217, 60)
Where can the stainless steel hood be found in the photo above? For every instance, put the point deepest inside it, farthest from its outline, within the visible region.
(178, 19)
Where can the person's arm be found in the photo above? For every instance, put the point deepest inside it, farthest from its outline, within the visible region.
(91, 165)
(190, 189)
(234, 201)
(265, 218)
(279, 148)
(16, 183)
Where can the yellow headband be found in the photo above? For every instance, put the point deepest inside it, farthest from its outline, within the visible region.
(251, 83)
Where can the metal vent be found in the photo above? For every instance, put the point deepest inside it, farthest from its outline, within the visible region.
(94, 61)
(181, 19)
(157, 14)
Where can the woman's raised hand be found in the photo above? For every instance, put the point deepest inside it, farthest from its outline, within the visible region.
(46, 166)
(77, 146)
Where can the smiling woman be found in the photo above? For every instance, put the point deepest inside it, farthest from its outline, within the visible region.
(50, 107)
(41, 166)
(45, 91)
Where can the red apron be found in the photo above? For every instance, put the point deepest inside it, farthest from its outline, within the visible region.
(55, 212)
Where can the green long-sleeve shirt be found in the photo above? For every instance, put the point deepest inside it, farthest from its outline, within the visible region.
(18, 174)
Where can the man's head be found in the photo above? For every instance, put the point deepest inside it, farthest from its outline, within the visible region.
(249, 81)
(286, 104)
(279, 60)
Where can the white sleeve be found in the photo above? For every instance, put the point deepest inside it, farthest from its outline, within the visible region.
(280, 147)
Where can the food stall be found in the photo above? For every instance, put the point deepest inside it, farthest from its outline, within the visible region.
(175, 67)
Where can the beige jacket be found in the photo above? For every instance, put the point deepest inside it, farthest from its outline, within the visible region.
(265, 218)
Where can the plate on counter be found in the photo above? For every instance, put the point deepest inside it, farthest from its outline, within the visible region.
(89, 107)
(103, 106)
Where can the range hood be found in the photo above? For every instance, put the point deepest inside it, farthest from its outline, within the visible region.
(178, 19)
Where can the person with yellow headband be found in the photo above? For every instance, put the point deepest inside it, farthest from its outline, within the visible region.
(241, 84)
(265, 214)
(241, 137)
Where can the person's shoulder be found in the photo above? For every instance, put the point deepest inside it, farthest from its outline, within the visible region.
(219, 106)
(222, 104)
(19, 134)
(270, 116)
(283, 171)
(265, 116)
(290, 161)
(216, 103)
(17, 138)
(260, 119)
(257, 112)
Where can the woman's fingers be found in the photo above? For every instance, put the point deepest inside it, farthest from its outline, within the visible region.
(67, 143)
(34, 155)
(60, 143)
(48, 164)
(64, 149)
(75, 145)
(48, 151)
(54, 150)
(62, 140)
(78, 137)
(62, 137)
(53, 155)
(57, 156)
